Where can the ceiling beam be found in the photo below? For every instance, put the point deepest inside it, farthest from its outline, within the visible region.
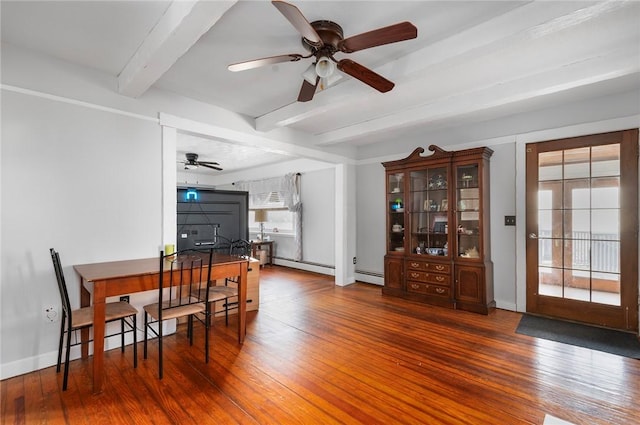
(596, 70)
(258, 141)
(183, 23)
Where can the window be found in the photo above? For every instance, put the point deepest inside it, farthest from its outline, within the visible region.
(278, 221)
(279, 218)
(280, 198)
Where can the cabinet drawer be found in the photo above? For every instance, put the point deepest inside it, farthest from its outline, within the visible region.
(428, 266)
(439, 279)
(425, 288)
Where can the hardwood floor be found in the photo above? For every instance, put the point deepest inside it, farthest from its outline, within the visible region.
(319, 354)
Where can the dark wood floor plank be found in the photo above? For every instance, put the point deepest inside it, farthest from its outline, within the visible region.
(53, 408)
(320, 354)
(34, 399)
(13, 396)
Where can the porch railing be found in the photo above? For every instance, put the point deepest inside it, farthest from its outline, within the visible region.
(595, 251)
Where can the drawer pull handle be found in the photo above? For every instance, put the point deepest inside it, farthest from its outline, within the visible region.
(414, 274)
(439, 267)
(414, 286)
(440, 278)
(439, 290)
(415, 265)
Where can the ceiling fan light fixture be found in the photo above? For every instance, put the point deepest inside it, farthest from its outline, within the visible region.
(310, 74)
(325, 67)
(326, 82)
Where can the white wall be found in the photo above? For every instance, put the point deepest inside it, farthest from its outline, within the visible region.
(67, 185)
(370, 206)
(503, 238)
(318, 206)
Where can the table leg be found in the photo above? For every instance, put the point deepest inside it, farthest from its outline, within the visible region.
(242, 303)
(99, 291)
(85, 301)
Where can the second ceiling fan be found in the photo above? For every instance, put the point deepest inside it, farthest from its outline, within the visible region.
(323, 39)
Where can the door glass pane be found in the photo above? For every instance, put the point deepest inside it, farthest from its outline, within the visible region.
(579, 224)
(576, 163)
(550, 281)
(395, 183)
(550, 194)
(605, 192)
(550, 252)
(606, 288)
(577, 285)
(395, 211)
(606, 256)
(605, 224)
(577, 255)
(605, 160)
(467, 205)
(550, 224)
(576, 194)
(550, 166)
(429, 225)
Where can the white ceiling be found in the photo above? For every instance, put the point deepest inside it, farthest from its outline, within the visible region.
(473, 62)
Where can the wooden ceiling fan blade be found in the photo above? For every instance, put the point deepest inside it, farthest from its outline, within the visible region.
(365, 75)
(207, 163)
(378, 37)
(300, 23)
(307, 90)
(256, 63)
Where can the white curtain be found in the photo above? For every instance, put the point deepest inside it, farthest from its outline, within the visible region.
(284, 191)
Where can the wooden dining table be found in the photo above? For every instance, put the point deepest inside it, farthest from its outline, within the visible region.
(115, 278)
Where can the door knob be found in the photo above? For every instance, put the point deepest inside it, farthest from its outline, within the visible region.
(533, 236)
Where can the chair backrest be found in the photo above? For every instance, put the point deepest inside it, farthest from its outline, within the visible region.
(62, 285)
(183, 276)
(222, 245)
(240, 248)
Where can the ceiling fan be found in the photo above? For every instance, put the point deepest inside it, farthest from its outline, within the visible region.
(192, 162)
(325, 38)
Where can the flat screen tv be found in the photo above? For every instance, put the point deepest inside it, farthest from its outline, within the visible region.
(208, 217)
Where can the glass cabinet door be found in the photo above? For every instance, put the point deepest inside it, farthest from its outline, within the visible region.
(395, 212)
(429, 212)
(468, 212)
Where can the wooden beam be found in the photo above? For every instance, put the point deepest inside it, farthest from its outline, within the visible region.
(178, 30)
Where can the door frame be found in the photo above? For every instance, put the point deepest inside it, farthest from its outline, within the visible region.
(622, 319)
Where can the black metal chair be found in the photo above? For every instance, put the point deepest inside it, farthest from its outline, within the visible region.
(74, 320)
(237, 248)
(184, 275)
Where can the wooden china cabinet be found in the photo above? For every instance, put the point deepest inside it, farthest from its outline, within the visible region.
(437, 209)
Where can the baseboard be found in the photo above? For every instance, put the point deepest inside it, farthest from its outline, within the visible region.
(505, 305)
(360, 276)
(309, 267)
(370, 278)
(45, 360)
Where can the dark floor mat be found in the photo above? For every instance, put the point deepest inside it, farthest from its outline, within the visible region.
(595, 338)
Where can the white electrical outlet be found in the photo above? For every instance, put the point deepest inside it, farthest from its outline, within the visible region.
(51, 314)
